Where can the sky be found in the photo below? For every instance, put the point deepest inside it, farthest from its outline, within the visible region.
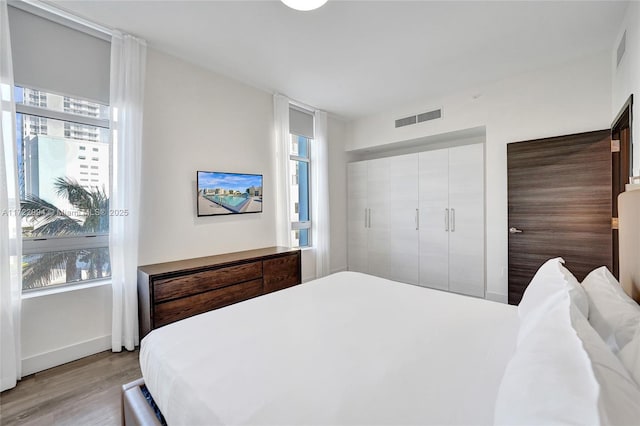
(236, 182)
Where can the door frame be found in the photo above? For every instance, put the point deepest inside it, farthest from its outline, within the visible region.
(621, 168)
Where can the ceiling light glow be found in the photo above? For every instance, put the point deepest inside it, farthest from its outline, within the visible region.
(304, 5)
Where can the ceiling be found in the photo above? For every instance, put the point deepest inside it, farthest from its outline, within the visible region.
(355, 58)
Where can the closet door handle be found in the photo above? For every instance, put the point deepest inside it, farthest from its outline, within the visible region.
(417, 219)
(453, 220)
(446, 220)
(365, 218)
(369, 218)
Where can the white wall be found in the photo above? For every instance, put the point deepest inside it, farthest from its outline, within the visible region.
(338, 194)
(626, 76)
(197, 120)
(571, 98)
(61, 327)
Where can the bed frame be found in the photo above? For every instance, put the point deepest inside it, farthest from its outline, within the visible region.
(136, 411)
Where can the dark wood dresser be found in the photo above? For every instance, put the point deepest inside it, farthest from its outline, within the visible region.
(172, 291)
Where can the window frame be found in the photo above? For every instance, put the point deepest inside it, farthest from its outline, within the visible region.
(51, 244)
(60, 115)
(300, 225)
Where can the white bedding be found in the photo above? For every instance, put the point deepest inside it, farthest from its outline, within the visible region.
(345, 349)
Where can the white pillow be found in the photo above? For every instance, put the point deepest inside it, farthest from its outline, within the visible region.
(577, 294)
(630, 357)
(563, 373)
(543, 288)
(551, 282)
(614, 315)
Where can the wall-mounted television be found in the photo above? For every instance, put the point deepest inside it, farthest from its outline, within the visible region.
(228, 193)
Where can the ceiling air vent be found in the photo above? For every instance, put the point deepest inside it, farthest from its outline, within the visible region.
(420, 118)
(407, 121)
(621, 48)
(431, 115)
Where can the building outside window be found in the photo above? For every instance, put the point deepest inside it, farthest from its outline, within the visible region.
(65, 224)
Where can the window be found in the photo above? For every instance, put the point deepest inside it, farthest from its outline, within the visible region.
(300, 140)
(61, 106)
(300, 212)
(65, 225)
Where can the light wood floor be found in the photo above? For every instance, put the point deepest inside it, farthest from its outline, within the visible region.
(83, 392)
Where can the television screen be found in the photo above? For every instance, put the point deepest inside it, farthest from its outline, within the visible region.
(228, 193)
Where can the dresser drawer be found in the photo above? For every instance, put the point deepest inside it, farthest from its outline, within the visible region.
(281, 272)
(187, 285)
(172, 291)
(168, 312)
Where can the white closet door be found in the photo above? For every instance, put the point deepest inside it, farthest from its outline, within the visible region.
(434, 235)
(378, 202)
(356, 211)
(466, 236)
(403, 220)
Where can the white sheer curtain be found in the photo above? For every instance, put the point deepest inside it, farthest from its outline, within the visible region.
(128, 63)
(320, 194)
(283, 219)
(10, 232)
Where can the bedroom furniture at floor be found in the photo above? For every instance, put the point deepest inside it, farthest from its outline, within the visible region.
(345, 349)
(171, 291)
(320, 353)
(559, 196)
(462, 247)
(419, 218)
(368, 238)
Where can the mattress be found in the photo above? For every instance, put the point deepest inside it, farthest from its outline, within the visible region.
(345, 349)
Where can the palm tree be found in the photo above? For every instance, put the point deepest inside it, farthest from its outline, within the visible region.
(92, 208)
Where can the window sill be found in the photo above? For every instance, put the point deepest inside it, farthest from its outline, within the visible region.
(64, 289)
(306, 248)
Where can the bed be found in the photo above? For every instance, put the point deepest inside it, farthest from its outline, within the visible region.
(345, 349)
(321, 348)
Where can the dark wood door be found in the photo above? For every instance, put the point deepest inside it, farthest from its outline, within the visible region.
(559, 197)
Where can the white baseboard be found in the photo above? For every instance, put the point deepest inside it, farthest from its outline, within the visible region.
(66, 354)
(343, 268)
(308, 278)
(497, 297)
